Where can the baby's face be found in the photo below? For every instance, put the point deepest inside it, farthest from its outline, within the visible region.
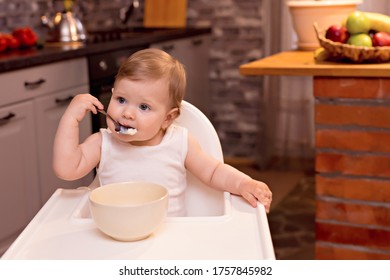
(140, 105)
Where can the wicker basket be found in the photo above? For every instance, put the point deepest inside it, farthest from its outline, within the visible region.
(352, 53)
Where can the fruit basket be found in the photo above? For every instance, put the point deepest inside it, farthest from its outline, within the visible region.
(357, 54)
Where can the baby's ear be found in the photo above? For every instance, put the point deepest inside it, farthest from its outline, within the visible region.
(170, 117)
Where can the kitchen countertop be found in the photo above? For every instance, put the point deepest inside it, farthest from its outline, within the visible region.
(10, 61)
(302, 63)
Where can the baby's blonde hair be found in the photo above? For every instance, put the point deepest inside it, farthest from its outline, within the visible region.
(155, 64)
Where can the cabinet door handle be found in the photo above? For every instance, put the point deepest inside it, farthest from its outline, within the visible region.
(7, 118)
(168, 48)
(197, 42)
(34, 84)
(63, 101)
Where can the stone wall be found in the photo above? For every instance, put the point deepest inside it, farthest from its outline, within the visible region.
(237, 37)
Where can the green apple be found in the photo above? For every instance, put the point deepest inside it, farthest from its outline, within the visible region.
(362, 39)
(357, 22)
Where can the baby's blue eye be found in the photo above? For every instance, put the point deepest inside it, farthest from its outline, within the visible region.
(121, 100)
(144, 107)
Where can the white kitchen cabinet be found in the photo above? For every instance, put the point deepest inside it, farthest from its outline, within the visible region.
(48, 112)
(193, 53)
(32, 102)
(19, 187)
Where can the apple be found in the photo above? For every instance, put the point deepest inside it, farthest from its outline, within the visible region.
(361, 39)
(381, 39)
(357, 22)
(337, 33)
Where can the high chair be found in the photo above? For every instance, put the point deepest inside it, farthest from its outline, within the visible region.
(202, 129)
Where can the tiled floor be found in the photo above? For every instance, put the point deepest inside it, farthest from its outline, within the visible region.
(292, 223)
(292, 214)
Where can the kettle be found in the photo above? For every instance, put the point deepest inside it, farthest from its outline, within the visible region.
(64, 27)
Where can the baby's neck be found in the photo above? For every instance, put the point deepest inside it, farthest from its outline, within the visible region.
(154, 141)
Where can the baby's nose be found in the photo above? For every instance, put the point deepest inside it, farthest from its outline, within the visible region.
(128, 113)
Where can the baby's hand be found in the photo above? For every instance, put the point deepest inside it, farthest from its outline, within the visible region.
(81, 104)
(254, 191)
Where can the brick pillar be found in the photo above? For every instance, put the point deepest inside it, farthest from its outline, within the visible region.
(352, 119)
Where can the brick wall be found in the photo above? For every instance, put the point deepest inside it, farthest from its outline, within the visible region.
(237, 37)
(352, 119)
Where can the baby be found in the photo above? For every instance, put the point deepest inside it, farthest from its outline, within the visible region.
(146, 98)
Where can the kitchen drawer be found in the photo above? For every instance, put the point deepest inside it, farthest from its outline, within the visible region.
(36, 81)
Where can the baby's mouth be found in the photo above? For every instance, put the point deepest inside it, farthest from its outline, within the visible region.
(122, 129)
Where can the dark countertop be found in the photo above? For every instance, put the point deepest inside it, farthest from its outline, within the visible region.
(55, 52)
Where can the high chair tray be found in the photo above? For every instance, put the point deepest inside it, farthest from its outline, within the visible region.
(63, 229)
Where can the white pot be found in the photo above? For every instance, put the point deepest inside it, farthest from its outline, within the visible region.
(325, 13)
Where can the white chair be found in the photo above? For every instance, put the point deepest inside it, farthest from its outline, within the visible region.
(201, 200)
(201, 128)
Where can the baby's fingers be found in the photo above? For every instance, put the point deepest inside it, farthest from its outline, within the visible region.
(97, 104)
(264, 196)
(250, 198)
(93, 103)
(266, 202)
(263, 199)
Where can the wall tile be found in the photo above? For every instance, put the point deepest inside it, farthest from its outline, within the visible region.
(352, 88)
(349, 164)
(373, 238)
(358, 212)
(335, 252)
(353, 140)
(340, 114)
(368, 189)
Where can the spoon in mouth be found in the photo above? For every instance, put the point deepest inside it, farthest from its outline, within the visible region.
(118, 127)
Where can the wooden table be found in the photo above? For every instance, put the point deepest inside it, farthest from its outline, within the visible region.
(302, 63)
(352, 134)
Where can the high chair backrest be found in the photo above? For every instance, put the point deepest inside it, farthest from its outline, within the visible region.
(201, 128)
(201, 200)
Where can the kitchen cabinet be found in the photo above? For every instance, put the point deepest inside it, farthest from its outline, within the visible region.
(48, 112)
(193, 53)
(31, 105)
(19, 199)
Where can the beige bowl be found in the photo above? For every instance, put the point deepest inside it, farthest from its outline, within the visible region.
(129, 211)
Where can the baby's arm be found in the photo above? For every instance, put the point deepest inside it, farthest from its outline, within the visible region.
(225, 177)
(72, 160)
